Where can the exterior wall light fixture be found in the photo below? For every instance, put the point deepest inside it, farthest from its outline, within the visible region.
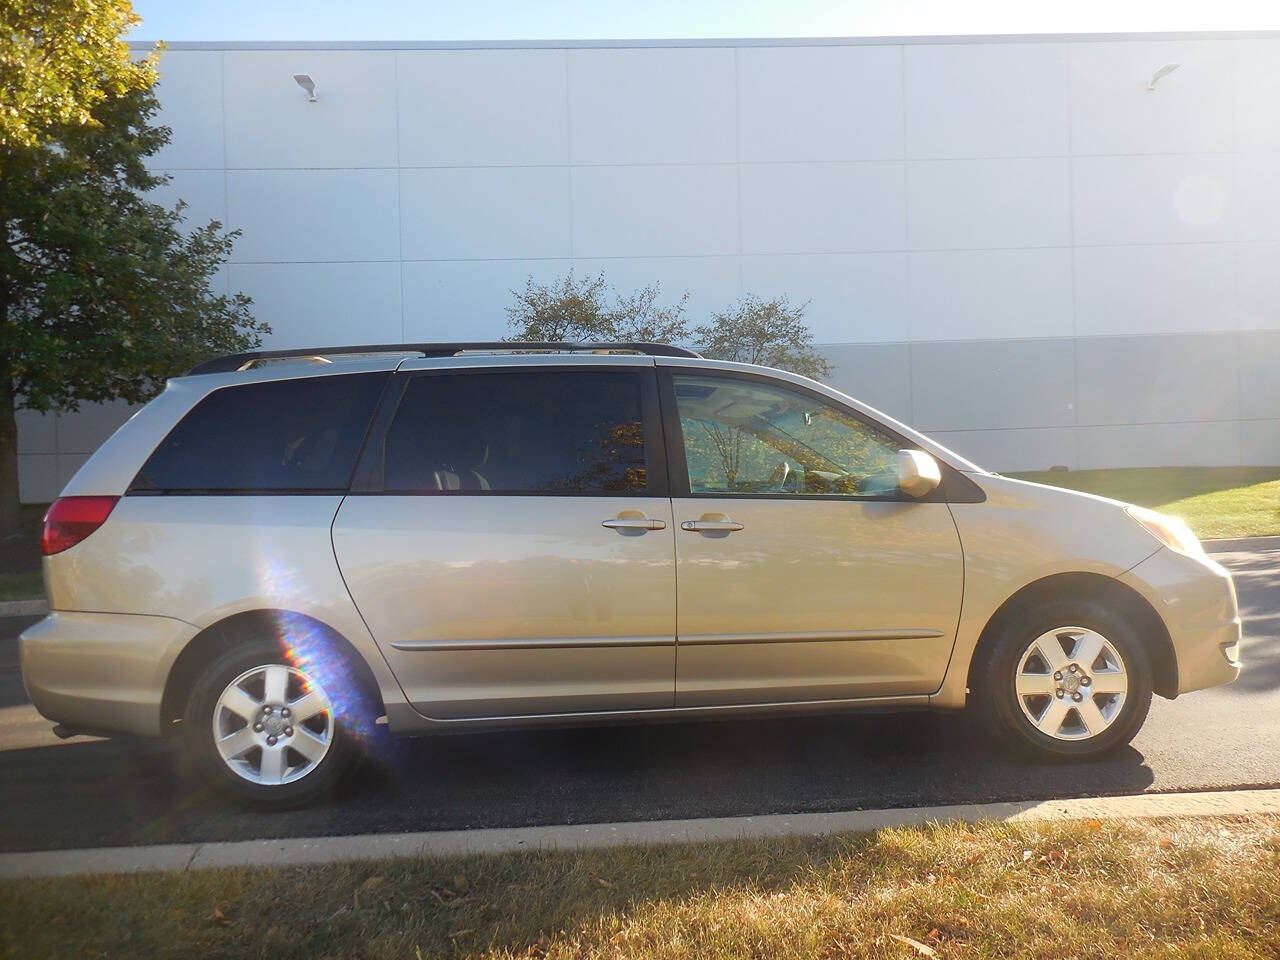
(1164, 71)
(306, 83)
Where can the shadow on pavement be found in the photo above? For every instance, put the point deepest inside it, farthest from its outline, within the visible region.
(108, 793)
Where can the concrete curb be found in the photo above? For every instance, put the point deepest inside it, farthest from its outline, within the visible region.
(23, 608)
(177, 858)
(1228, 544)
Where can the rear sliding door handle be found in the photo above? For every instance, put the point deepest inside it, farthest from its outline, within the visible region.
(711, 526)
(634, 523)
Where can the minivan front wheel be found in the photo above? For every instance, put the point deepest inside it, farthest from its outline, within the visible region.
(265, 731)
(1069, 678)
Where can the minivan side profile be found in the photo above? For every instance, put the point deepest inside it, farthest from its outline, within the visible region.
(285, 549)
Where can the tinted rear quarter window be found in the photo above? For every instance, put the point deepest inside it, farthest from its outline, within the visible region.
(283, 435)
(569, 433)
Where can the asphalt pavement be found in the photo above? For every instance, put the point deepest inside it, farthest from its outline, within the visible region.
(89, 793)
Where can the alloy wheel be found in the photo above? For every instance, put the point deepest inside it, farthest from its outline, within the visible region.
(273, 724)
(1071, 683)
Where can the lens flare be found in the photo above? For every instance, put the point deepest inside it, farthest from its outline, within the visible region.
(311, 648)
(314, 649)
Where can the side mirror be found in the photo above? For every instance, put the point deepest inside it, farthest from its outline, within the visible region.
(918, 473)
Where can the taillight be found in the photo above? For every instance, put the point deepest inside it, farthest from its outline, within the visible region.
(71, 519)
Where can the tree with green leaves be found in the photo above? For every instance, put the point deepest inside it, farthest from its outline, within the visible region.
(771, 333)
(59, 59)
(103, 293)
(586, 309)
(767, 332)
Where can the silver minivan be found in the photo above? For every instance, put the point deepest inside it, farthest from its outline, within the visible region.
(285, 549)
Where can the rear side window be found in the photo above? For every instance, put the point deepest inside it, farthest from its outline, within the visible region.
(285, 435)
(560, 433)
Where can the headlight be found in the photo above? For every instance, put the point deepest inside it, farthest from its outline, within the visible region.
(1171, 531)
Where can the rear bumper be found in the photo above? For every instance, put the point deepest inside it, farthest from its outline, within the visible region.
(103, 672)
(1196, 598)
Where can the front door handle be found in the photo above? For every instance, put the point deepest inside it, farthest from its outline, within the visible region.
(711, 526)
(634, 523)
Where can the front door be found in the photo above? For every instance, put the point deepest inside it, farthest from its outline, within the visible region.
(803, 573)
(512, 547)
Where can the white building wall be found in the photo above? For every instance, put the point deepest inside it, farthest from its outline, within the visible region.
(1011, 243)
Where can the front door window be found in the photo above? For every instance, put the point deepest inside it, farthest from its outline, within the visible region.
(746, 438)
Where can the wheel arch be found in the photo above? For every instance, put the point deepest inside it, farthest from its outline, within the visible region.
(303, 640)
(1123, 598)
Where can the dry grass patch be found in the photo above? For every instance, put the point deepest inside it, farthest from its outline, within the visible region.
(1184, 889)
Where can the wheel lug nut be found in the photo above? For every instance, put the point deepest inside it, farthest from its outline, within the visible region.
(271, 741)
(1076, 697)
(1072, 668)
(284, 712)
(1059, 692)
(1058, 675)
(1085, 681)
(257, 728)
(288, 731)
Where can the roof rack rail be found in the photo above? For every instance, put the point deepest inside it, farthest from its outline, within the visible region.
(243, 361)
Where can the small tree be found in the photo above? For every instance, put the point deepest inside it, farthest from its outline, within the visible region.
(771, 333)
(577, 310)
(102, 293)
(767, 332)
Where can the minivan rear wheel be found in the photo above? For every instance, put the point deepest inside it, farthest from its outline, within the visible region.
(1067, 678)
(264, 731)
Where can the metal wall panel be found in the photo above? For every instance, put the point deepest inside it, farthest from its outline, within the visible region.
(1004, 239)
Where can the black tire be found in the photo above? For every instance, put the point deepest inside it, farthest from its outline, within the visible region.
(992, 692)
(200, 748)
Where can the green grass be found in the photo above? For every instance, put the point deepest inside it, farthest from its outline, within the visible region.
(1091, 889)
(28, 585)
(1215, 501)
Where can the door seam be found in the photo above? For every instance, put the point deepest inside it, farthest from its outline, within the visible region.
(333, 548)
(964, 596)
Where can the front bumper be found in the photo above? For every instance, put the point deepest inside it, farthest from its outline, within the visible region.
(101, 672)
(1196, 599)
